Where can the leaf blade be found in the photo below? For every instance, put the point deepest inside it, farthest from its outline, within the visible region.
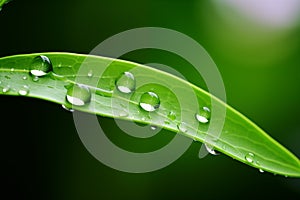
(239, 136)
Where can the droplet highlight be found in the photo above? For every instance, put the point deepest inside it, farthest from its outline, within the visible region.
(67, 108)
(41, 66)
(6, 89)
(126, 83)
(204, 115)
(172, 115)
(78, 95)
(149, 101)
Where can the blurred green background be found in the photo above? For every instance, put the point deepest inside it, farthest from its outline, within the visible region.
(255, 46)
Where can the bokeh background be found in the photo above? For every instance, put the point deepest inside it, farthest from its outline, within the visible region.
(256, 46)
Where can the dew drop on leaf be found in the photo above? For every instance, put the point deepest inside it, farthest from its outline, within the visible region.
(126, 83)
(172, 115)
(78, 95)
(210, 149)
(90, 74)
(35, 79)
(24, 77)
(6, 89)
(203, 116)
(67, 108)
(24, 90)
(40, 66)
(149, 101)
(153, 128)
(250, 157)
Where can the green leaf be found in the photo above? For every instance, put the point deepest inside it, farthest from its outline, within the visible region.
(169, 102)
(3, 2)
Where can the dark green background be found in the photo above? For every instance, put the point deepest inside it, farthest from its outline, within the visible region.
(42, 154)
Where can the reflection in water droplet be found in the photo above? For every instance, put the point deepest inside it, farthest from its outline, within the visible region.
(210, 149)
(172, 115)
(67, 108)
(153, 128)
(250, 157)
(204, 115)
(126, 83)
(40, 66)
(149, 101)
(78, 95)
(24, 90)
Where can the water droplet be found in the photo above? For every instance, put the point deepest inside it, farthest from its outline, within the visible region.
(90, 74)
(35, 79)
(24, 90)
(40, 66)
(261, 171)
(210, 149)
(172, 115)
(126, 83)
(153, 128)
(24, 77)
(149, 101)
(250, 157)
(123, 113)
(204, 115)
(182, 127)
(12, 69)
(166, 122)
(78, 95)
(6, 89)
(67, 108)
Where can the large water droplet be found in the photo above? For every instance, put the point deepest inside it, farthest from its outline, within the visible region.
(78, 95)
(40, 66)
(149, 101)
(126, 83)
(210, 149)
(249, 157)
(24, 90)
(204, 115)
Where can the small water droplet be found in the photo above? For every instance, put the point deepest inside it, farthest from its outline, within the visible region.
(40, 66)
(172, 115)
(210, 149)
(67, 108)
(24, 77)
(35, 79)
(261, 171)
(12, 69)
(250, 157)
(24, 90)
(153, 128)
(123, 113)
(149, 101)
(126, 82)
(182, 127)
(6, 89)
(204, 115)
(90, 74)
(166, 122)
(78, 95)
